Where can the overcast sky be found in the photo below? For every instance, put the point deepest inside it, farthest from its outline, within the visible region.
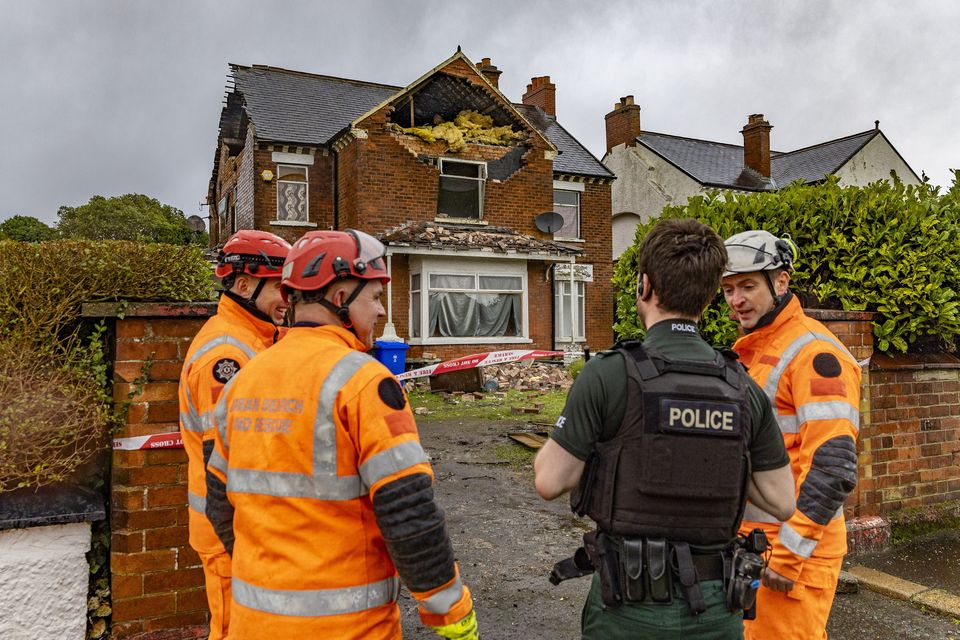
(111, 97)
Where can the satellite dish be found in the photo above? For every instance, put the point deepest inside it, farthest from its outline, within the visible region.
(195, 223)
(549, 222)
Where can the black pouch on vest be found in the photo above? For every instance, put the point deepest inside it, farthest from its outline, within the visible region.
(659, 586)
(631, 567)
(604, 557)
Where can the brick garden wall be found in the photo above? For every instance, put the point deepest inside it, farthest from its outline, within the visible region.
(156, 578)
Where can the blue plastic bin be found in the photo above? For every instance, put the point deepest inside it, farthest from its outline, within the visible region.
(393, 355)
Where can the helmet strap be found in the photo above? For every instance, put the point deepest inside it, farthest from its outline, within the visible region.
(343, 311)
(248, 307)
(773, 292)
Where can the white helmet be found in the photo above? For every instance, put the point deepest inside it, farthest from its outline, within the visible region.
(758, 250)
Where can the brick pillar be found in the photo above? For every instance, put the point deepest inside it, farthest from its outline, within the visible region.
(156, 579)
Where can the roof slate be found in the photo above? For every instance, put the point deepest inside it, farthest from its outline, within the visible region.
(462, 237)
(721, 165)
(288, 106)
(573, 157)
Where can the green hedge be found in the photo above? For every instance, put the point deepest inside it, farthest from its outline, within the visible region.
(44, 285)
(887, 247)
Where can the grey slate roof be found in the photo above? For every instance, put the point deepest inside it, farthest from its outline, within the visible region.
(295, 107)
(721, 165)
(288, 106)
(573, 157)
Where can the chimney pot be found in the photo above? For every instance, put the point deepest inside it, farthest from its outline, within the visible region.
(623, 123)
(542, 93)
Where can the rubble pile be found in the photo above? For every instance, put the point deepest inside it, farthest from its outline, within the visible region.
(453, 236)
(529, 374)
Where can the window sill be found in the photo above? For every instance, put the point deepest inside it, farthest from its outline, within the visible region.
(291, 223)
(476, 221)
(494, 340)
(578, 340)
(576, 240)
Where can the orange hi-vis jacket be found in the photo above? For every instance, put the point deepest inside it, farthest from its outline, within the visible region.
(307, 434)
(224, 344)
(813, 382)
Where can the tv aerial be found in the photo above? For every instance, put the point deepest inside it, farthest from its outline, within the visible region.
(549, 222)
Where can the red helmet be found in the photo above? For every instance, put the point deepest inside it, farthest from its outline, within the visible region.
(256, 253)
(320, 257)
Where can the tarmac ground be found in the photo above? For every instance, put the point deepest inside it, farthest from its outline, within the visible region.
(506, 539)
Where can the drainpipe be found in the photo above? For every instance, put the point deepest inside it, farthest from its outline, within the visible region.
(336, 189)
(389, 331)
(573, 305)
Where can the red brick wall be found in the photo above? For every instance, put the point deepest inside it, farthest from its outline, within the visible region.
(157, 581)
(320, 194)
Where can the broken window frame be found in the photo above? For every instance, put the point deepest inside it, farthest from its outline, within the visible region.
(481, 179)
(476, 268)
(306, 195)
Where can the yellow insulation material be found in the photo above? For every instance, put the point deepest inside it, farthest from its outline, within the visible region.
(468, 127)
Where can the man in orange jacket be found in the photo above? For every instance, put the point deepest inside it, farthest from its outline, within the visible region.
(318, 485)
(249, 310)
(813, 382)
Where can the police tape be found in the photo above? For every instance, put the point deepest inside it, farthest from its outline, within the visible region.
(478, 360)
(155, 441)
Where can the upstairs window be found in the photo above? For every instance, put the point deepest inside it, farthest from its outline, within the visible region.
(461, 189)
(567, 204)
(292, 193)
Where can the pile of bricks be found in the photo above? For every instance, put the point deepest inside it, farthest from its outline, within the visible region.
(529, 374)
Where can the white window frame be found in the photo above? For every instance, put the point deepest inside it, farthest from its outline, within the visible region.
(570, 188)
(563, 324)
(441, 265)
(306, 175)
(482, 179)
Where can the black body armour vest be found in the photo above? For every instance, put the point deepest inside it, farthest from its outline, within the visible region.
(678, 466)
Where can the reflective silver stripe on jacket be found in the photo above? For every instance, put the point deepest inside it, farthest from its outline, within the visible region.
(190, 419)
(324, 483)
(197, 503)
(391, 461)
(316, 602)
(829, 410)
(216, 342)
(795, 543)
(218, 462)
(442, 601)
(220, 415)
(755, 514)
(773, 381)
(788, 424)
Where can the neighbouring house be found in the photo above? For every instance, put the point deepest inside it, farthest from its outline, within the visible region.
(454, 179)
(656, 169)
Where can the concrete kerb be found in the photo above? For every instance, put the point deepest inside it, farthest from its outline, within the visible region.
(919, 595)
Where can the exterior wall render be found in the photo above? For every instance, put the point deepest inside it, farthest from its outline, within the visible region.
(873, 162)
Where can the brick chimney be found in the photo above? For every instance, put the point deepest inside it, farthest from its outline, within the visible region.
(756, 144)
(623, 123)
(542, 93)
(490, 72)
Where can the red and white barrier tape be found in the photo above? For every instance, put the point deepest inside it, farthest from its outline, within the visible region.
(156, 441)
(478, 360)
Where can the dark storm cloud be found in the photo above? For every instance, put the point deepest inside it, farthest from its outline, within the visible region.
(108, 98)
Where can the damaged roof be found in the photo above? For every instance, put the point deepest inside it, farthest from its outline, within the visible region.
(304, 108)
(717, 164)
(572, 157)
(462, 237)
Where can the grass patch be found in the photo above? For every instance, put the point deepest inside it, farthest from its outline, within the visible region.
(515, 455)
(491, 407)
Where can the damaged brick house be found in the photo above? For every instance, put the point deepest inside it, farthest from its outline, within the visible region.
(452, 176)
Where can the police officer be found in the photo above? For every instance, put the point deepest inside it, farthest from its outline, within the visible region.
(250, 307)
(814, 385)
(661, 443)
(318, 485)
